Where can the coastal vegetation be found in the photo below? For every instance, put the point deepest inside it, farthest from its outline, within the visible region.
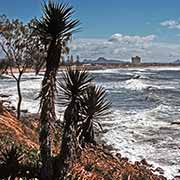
(54, 30)
(20, 50)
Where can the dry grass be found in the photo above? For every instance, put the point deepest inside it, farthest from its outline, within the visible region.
(96, 163)
(17, 132)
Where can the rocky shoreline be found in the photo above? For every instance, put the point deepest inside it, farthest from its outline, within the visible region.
(93, 158)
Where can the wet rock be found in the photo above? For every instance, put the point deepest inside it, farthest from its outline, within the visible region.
(108, 147)
(160, 170)
(4, 96)
(176, 178)
(1, 107)
(145, 163)
(177, 123)
(13, 108)
(24, 111)
(125, 159)
(104, 131)
(118, 155)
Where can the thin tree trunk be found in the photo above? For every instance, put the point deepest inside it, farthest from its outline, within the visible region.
(19, 96)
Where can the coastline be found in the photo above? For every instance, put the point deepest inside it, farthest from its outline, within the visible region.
(109, 66)
(96, 162)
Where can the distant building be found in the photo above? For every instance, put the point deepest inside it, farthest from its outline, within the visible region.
(136, 60)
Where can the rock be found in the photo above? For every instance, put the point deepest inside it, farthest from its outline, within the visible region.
(4, 96)
(177, 122)
(24, 111)
(13, 108)
(118, 155)
(125, 159)
(145, 163)
(176, 178)
(160, 170)
(1, 107)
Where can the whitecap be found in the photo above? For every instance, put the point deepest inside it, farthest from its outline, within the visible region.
(135, 84)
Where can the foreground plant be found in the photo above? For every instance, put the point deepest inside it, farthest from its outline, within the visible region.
(71, 89)
(54, 29)
(13, 164)
(10, 159)
(95, 106)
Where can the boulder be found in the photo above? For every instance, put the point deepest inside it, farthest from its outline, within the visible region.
(176, 122)
(160, 170)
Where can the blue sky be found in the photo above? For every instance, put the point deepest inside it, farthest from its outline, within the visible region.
(102, 18)
(158, 20)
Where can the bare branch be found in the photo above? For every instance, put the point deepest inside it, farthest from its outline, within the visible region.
(12, 74)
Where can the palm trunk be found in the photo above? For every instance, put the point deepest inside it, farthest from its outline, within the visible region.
(48, 115)
(69, 145)
(88, 131)
(47, 118)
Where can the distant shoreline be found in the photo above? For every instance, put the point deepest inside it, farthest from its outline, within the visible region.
(108, 66)
(128, 65)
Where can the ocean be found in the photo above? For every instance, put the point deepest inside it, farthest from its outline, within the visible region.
(144, 104)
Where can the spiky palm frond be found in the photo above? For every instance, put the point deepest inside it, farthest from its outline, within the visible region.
(11, 157)
(94, 105)
(94, 102)
(56, 24)
(74, 82)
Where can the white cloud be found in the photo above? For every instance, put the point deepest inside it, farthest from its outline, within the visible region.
(123, 47)
(132, 39)
(171, 24)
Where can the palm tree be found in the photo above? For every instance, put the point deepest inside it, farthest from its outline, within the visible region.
(75, 83)
(54, 29)
(95, 106)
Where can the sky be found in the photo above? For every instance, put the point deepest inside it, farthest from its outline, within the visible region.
(116, 29)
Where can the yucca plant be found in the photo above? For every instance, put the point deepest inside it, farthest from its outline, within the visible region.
(11, 156)
(74, 83)
(10, 160)
(71, 88)
(15, 163)
(95, 106)
(54, 30)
